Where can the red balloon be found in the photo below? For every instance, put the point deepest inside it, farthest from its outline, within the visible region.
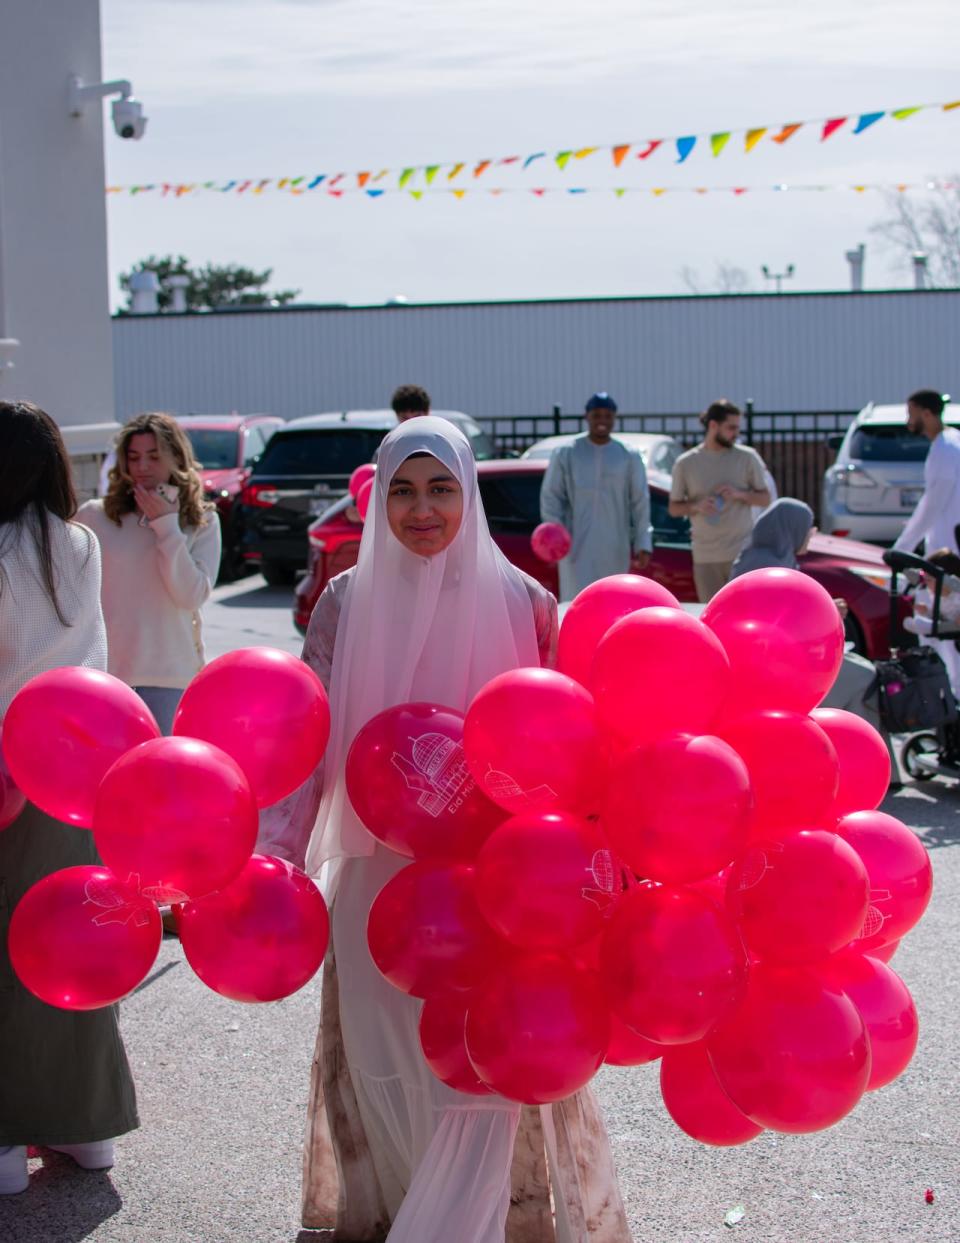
(266, 709)
(784, 637)
(793, 769)
(359, 477)
(551, 541)
(794, 1056)
(177, 817)
(364, 493)
(532, 743)
(426, 934)
(79, 939)
(656, 672)
(538, 1030)
(547, 880)
(678, 809)
(884, 953)
(443, 1041)
(800, 897)
(901, 878)
(12, 799)
(629, 1048)
(713, 888)
(409, 783)
(672, 964)
(696, 1101)
(259, 938)
(593, 612)
(887, 1008)
(62, 732)
(864, 760)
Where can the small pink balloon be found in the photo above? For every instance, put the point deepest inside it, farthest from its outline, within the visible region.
(364, 493)
(12, 799)
(79, 939)
(696, 1101)
(359, 477)
(260, 938)
(887, 1008)
(901, 876)
(443, 1042)
(864, 760)
(594, 611)
(267, 710)
(551, 541)
(63, 730)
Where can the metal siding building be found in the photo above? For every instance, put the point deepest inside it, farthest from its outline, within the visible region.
(789, 352)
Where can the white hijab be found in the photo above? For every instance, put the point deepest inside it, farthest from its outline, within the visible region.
(416, 629)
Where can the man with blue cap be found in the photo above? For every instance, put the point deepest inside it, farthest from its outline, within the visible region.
(596, 487)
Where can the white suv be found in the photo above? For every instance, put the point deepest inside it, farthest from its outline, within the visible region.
(877, 479)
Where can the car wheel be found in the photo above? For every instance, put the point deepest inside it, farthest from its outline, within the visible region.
(232, 565)
(277, 574)
(925, 745)
(853, 633)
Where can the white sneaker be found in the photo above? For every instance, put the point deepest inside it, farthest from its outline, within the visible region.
(97, 1156)
(14, 1177)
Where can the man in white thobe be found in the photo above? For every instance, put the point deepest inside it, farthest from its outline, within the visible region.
(596, 487)
(935, 519)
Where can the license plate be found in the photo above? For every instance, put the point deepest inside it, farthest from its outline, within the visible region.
(910, 497)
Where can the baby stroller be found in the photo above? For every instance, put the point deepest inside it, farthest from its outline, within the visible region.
(913, 687)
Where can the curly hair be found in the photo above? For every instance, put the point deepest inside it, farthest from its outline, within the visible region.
(119, 500)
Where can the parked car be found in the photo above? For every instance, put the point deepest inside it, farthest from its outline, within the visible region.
(227, 446)
(877, 479)
(307, 468)
(510, 491)
(659, 452)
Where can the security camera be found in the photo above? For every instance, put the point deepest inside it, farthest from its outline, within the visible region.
(128, 118)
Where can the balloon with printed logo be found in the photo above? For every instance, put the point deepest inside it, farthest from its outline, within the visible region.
(783, 635)
(443, 1042)
(887, 1008)
(80, 939)
(658, 671)
(551, 541)
(363, 474)
(266, 709)
(12, 798)
(532, 743)
(408, 781)
(696, 1101)
(901, 877)
(364, 495)
(61, 733)
(864, 760)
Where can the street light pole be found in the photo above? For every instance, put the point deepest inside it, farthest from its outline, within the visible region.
(778, 277)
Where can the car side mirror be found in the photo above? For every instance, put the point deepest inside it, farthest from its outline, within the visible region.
(835, 440)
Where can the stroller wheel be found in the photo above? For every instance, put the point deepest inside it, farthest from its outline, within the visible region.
(921, 745)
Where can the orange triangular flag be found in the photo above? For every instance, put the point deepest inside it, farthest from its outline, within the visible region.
(481, 168)
(362, 179)
(788, 131)
(619, 153)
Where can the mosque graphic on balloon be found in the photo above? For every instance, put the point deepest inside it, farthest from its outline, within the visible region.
(435, 767)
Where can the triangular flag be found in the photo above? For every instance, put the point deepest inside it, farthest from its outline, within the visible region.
(244, 185)
(539, 192)
(950, 107)
(584, 152)
(868, 119)
(860, 189)
(296, 181)
(787, 132)
(658, 190)
(261, 185)
(495, 192)
(619, 193)
(740, 189)
(405, 177)
(481, 168)
(831, 127)
(537, 155)
(362, 179)
(183, 190)
(375, 194)
(416, 194)
(718, 142)
(458, 194)
(562, 159)
(455, 171)
(334, 181)
(701, 190)
(752, 137)
(575, 190)
(384, 172)
(316, 181)
(652, 144)
(901, 114)
(431, 172)
(509, 159)
(684, 147)
(228, 186)
(619, 154)
(335, 194)
(282, 182)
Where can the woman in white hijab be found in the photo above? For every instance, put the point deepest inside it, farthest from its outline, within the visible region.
(431, 612)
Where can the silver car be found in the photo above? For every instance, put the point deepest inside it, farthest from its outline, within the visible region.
(877, 479)
(659, 451)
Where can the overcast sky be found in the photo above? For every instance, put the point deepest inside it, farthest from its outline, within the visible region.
(238, 89)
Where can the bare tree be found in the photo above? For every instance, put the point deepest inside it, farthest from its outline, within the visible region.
(930, 225)
(727, 278)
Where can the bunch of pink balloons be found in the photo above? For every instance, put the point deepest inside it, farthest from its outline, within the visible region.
(175, 821)
(662, 851)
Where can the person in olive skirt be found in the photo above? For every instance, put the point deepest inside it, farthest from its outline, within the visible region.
(65, 1082)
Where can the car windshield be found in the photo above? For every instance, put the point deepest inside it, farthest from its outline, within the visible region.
(480, 442)
(887, 444)
(511, 502)
(214, 448)
(320, 452)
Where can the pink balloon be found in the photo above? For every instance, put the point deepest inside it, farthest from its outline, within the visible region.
(177, 818)
(12, 799)
(364, 493)
(901, 878)
(79, 939)
(696, 1101)
(658, 671)
(672, 964)
(887, 1008)
(551, 541)
(63, 730)
(532, 743)
(426, 934)
(864, 760)
(799, 898)
(594, 611)
(264, 708)
(784, 637)
(884, 953)
(678, 809)
(794, 1056)
(260, 938)
(360, 476)
(793, 769)
(538, 1030)
(629, 1048)
(409, 783)
(443, 1041)
(547, 880)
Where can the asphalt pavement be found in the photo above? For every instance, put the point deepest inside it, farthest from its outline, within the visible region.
(222, 1090)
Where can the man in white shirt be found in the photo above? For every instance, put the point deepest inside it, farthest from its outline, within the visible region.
(935, 519)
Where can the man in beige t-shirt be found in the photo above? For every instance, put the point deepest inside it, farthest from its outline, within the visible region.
(715, 485)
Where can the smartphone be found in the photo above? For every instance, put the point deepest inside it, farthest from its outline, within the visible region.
(167, 492)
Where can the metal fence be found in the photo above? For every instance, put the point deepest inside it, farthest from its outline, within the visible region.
(793, 445)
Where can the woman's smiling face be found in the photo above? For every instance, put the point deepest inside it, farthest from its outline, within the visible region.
(424, 505)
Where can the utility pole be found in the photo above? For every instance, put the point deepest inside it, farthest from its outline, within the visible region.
(778, 277)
